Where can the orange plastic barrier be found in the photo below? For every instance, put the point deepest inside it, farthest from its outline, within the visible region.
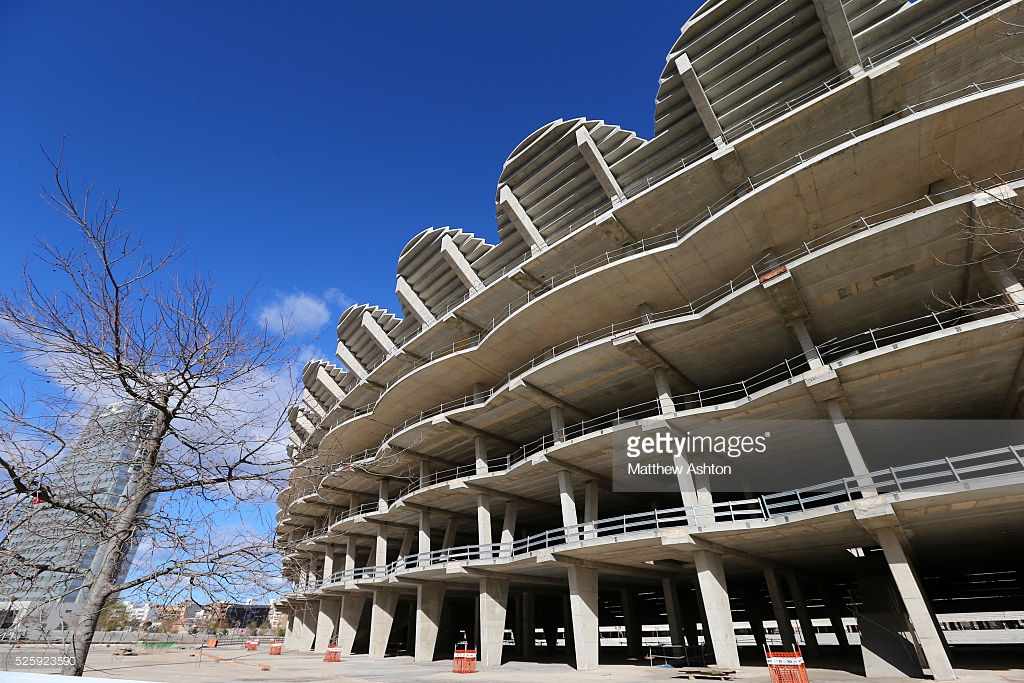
(464, 662)
(212, 642)
(252, 644)
(275, 648)
(787, 667)
(333, 654)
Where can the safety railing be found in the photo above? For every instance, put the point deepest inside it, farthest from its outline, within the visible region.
(999, 462)
(716, 296)
(780, 374)
(673, 237)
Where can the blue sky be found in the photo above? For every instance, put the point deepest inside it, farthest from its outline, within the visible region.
(299, 148)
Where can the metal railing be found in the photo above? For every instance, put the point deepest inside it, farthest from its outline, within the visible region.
(954, 470)
(671, 238)
(781, 374)
(706, 301)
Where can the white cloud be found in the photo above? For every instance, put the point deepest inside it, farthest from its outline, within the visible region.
(298, 312)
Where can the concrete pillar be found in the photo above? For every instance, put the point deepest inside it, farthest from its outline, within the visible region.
(450, 529)
(423, 545)
(493, 600)
(699, 98)
(583, 608)
(350, 554)
(557, 423)
(595, 160)
(590, 511)
(413, 302)
(458, 262)
(348, 626)
(377, 333)
(349, 360)
(634, 629)
(483, 524)
(672, 611)
(383, 491)
(303, 628)
(429, 601)
(567, 498)
(921, 617)
(508, 528)
(327, 623)
(291, 634)
(480, 450)
(715, 595)
(661, 385)
(753, 606)
(380, 549)
(424, 473)
(853, 455)
(778, 599)
(381, 619)
(516, 215)
(333, 561)
(529, 625)
(802, 614)
(806, 344)
(834, 607)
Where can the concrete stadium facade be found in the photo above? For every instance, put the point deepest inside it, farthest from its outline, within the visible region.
(779, 249)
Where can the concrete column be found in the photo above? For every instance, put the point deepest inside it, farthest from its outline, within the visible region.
(557, 424)
(480, 449)
(806, 344)
(460, 264)
(849, 444)
(595, 160)
(672, 611)
(377, 333)
(332, 563)
(590, 511)
(327, 623)
(838, 34)
(699, 98)
(424, 473)
(778, 599)
(349, 360)
(834, 606)
(529, 625)
(380, 549)
(406, 548)
(661, 385)
(753, 606)
(493, 600)
(413, 302)
(508, 528)
(350, 554)
(423, 546)
(291, 635)
(383, 491)
(348, 626)
(303, 629)
(429, 601)
(583, 607)
(516, 215)
(483, 523)
(567, 498)
(806, 627)
(634, 629)
(381, 619)
(450, 529)
(921, 617)
(715, 594)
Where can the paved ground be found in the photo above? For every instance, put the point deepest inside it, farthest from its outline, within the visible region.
(235, 665)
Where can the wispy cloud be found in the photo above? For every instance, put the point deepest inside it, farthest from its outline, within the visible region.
(297, 312)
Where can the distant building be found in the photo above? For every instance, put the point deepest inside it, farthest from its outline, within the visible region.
(98, 470)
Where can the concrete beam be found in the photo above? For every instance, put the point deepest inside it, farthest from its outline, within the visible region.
(409, 298)
(615, 231)
(460, 264)
(1000, 274)
(595, 160)
(501, 494)
(517, 216)
(838, 34)
(377, 333)
(649, 359)
(349, 360)
(324, 378)
(423, 456)
(473, 431)
(699, 98)
(543, 399)
(582, 471)
(781, 289)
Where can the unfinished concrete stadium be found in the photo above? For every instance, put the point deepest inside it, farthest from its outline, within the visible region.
(813, 233)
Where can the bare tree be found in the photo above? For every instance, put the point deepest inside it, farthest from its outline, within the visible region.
(203, 390)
